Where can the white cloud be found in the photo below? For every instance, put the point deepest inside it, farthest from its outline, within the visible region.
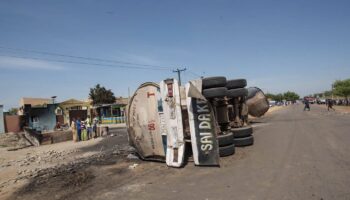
(7, 62)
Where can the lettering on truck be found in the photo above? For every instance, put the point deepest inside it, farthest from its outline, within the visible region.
(204, 126)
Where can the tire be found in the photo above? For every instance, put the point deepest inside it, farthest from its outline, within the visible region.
(236, 83)
(242, 132)
(213, 82)
(225, 140)
(215, 92)
(239, 92)
(242, 142)
(227, 150)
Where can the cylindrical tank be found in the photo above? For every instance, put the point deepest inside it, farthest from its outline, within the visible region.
(257, 102)
(144, 122)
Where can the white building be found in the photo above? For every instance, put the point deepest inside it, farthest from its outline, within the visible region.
(2, 123)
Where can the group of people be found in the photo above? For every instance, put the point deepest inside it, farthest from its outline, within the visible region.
(329, 104)
(84, 129)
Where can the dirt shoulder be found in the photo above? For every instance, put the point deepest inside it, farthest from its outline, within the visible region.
(26, 169)
(342, 109)
(275, 108)
(339, 109)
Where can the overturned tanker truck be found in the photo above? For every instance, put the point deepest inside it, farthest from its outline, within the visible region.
(206, 119)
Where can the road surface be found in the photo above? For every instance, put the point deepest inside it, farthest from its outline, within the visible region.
(297, 155)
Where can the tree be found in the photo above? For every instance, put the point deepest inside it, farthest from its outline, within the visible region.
(100, 95)
(327, 94)
(342, 88)
(291, 96)
(13, 111)
(279, 97)
(270, 96)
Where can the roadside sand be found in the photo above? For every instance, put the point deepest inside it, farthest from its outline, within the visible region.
(275, 108)
(340, 109)
(18, 167)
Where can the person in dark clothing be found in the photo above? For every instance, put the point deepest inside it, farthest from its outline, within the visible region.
(78, 124)
(307, 104)
(330, 105)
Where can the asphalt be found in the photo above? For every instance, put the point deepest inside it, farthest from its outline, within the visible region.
(297, 155)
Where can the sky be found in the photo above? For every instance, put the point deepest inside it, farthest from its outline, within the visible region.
(298, 45)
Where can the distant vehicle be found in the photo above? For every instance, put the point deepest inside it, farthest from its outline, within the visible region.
(321, 101)
(311, 100)
(279, 103)
(272, 103)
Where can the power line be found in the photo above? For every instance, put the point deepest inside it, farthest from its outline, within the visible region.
(85, 63)
(195, 74)
(82, 57)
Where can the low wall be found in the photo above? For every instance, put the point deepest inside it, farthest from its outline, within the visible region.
(57, 136)
(12, 123)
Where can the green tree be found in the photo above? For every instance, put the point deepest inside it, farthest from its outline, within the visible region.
(270, 96)
(327, 94)
(100, 95)
(342, 88)
(279, 97)
(13, 111)
(291, 96)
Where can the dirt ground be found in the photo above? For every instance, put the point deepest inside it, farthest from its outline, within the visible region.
(31, 168)
(296, 155)
(342, 109)
(338, 109)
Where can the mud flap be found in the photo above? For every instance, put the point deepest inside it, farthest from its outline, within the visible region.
(202, 125)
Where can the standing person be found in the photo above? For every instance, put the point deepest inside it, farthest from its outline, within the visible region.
(307, 104)
(88, 127)
(78, 125)
(83, 131)
(73, 126)
(330, 104)
(94, 126)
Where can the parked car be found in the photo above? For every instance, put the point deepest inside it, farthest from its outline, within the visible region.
(321, 101)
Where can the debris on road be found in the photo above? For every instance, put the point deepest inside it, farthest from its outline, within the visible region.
(132, 157)
(133, 166)
(13, 141)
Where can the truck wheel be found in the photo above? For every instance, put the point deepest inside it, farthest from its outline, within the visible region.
(242, 142)
(227, 150)
(239, 92)
(213, 82)
(225, 140)
(236, 83)
(218, 92)
(242, 132)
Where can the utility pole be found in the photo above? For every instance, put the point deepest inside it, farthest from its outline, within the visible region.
(332, 90)
(178, 71)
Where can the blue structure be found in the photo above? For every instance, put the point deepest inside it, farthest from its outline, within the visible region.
(2, 123)
(41, 118)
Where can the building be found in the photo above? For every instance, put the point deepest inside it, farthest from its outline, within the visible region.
(73, 109)
(38, 113)
(2, 122)
(112, 113)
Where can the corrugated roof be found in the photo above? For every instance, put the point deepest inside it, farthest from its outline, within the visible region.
(121, 101)
(74, 102)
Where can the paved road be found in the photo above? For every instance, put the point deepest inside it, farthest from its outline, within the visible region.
(297, 155)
